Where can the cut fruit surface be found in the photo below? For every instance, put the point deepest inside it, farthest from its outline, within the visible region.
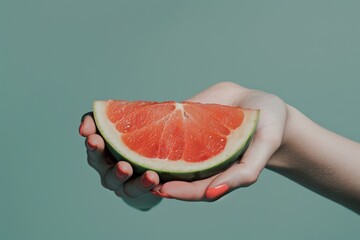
(184, 141)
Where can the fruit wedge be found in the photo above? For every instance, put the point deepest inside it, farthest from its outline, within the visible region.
(180, 141)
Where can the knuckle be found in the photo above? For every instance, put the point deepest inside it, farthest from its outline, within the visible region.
(275, 99)
(129, 194)
(227, 85)
(275, 141)
(106, 181)
(118, 192)
(91, 161)
(250, 177)
(104, 184)
(94, 164)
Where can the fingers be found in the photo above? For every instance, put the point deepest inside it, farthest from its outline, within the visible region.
(240, 174)
(96, 154)
(226, 93)
(136, 191)
(117, 175)
(112, 176)
(245, 172)
(87, 126)
(141, 185)
(186, 191)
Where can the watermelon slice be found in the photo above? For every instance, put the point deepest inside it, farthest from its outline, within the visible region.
(180, 141)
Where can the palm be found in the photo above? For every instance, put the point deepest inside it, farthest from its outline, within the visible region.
(267, 140)
(135, 192)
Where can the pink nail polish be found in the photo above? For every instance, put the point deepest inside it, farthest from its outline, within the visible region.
(155, 193)
(81, 128)
(90, 145)
(160, 194)
(120, 172)
(146, 181)
(216, 192)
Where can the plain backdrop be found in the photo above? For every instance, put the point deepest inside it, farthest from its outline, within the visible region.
(57, 57)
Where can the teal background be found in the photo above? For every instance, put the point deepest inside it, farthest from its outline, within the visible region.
(56, 57)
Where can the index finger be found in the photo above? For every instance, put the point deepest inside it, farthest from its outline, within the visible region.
(186, 191)
(87, 125)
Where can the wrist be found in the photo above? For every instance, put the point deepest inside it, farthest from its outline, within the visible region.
(283, 158)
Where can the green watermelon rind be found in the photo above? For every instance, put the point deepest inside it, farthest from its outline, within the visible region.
(190, 175)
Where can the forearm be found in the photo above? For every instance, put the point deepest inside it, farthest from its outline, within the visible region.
(319, 160)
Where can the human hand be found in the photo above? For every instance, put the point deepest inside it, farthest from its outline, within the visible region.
(267, 139)
(118, 176)
(134, 190)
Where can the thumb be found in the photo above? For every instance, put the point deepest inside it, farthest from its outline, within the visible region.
(245, 172)
(226, 93)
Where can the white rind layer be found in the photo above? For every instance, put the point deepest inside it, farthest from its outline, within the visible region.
(235, 141)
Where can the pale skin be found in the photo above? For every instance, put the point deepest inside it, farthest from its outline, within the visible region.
(285, 141)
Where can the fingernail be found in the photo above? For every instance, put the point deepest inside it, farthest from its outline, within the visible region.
(146, 181)
(155, 193)
(157, 188)
(217, 191)
(160, 194)
(90, 145)
(81, 129)
(120, 172)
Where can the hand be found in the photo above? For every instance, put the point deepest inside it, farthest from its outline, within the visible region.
(118, 177)
(267, 139)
